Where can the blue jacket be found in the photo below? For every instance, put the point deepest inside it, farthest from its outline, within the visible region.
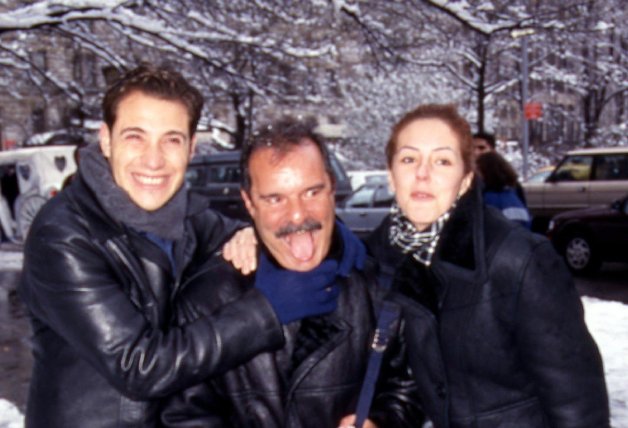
(509, 204)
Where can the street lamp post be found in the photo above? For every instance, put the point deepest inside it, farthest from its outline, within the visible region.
(523, 33)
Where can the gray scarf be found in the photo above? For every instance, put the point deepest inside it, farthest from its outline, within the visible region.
(166, 222)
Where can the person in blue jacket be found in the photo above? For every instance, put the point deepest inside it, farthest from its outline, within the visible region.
(500, 181)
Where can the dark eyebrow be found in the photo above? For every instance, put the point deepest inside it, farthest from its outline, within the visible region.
(319, 186)
(133, 129)
(269, 196)
(142, 131)
(417, 150)
(178, 133)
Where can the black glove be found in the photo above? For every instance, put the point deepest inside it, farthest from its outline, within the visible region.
(296, 295)
(354, 251)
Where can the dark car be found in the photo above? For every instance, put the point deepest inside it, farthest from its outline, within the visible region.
(588, 237)
(218, 176)
(365, 209)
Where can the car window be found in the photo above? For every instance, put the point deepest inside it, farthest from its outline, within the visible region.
(611, 167)
(224, 174)
(195, 176)
(383, 198)
(574, 168)
(361, 198)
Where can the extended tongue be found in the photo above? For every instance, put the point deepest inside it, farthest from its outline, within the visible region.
(301, 245)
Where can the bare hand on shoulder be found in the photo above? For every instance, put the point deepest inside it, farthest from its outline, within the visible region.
(241, 250)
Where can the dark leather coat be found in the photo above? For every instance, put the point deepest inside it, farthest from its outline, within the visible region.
(270, 391)
(99, 297)
(494, 327)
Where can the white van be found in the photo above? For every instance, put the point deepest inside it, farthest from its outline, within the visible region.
(28, 178)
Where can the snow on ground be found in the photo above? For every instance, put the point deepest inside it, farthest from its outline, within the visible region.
(607, 321)
(10, 416)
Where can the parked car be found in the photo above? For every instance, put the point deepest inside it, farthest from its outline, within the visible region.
(365, 209)
(28, 178)
(218, 176)
(541, 174)
(582, 179)
(358, 178)
(588, 237)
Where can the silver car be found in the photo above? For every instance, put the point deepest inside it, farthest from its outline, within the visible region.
(366, 207)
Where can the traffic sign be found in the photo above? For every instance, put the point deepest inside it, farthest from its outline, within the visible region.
(533, 110)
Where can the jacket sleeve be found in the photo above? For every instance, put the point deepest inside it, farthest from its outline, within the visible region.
(198, 406)
(555, 345)
(70, 286)
(211, 239)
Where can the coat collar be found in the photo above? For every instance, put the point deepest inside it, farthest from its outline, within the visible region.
(460, 258)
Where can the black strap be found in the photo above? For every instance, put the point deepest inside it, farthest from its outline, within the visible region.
(386, 326)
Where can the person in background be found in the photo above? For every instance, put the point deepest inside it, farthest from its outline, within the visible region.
(315, 379)
(499, 180)
(493, 324)
(484, 142)
(106, 257)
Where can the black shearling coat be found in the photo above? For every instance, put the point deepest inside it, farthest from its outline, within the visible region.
(494, 327)
(99, 299)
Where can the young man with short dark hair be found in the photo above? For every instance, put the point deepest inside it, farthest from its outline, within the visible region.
(106, 257)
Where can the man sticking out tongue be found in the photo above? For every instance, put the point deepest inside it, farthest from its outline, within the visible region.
(308, 258)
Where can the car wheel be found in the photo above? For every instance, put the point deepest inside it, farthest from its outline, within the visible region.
(580, 254)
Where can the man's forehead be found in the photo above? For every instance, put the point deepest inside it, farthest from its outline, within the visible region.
(291, 171)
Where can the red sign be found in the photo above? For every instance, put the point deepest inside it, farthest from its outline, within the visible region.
(532, 110)
(8, 144)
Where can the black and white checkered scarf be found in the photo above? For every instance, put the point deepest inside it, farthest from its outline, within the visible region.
(404, 235)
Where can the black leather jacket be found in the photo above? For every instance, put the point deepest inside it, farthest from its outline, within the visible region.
(494, 327)
(271, 391)
(99, 297)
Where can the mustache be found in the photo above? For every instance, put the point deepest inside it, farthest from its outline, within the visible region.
(307, 226)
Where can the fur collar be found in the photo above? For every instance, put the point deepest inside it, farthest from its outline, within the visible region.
(458, 240)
